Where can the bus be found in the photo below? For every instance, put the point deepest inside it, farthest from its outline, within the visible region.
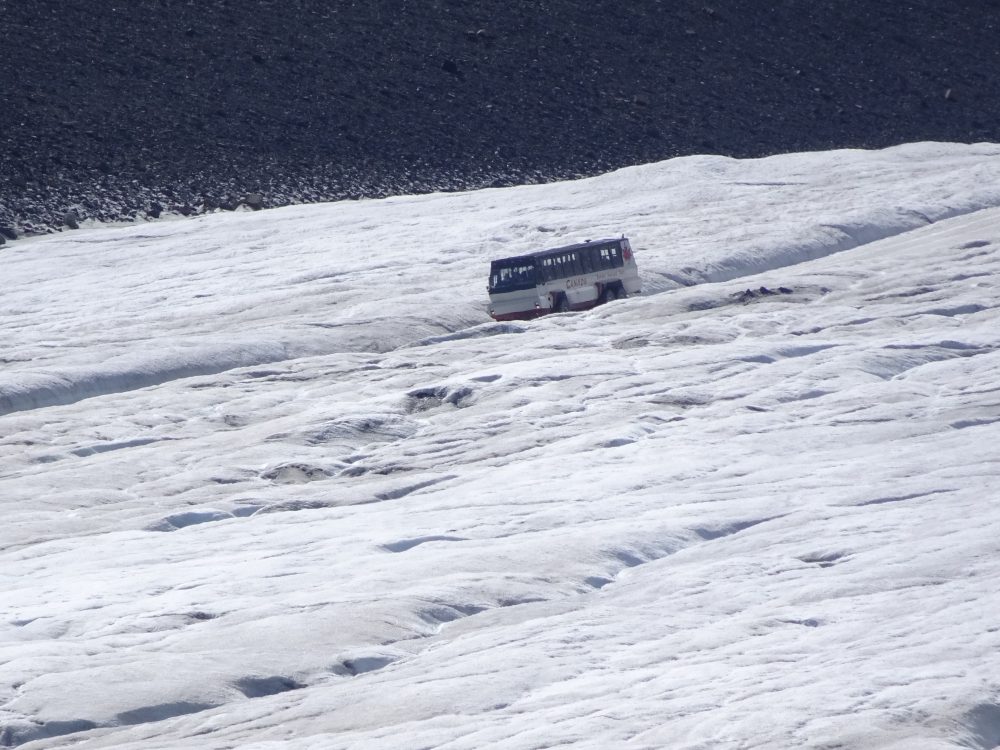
(575, 277)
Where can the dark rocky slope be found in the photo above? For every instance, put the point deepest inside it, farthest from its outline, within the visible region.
(127, 108)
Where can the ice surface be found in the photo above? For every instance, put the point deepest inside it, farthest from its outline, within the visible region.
(275, 480)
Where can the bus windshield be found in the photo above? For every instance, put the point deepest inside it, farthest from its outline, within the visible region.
(513, 274)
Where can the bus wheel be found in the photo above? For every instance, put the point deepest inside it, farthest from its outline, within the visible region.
(610, 293)
(561, 304)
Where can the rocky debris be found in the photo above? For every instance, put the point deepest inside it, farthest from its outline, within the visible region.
(480, 36)
(749, 295)
(450, 66)
(350, 100)
(254, 201)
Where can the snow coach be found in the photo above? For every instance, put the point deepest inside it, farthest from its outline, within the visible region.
(575, 277)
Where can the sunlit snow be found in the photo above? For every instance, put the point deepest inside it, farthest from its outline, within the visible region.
(275, 480)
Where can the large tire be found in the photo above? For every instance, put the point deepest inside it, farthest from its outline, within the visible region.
(610, 294)
(561, 305)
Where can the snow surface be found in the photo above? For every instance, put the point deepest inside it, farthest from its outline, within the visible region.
(275, 480)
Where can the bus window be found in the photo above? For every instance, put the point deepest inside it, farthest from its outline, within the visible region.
(548, 273)
(606, 258)
(552, 269)
(512, 275)
(616, 256)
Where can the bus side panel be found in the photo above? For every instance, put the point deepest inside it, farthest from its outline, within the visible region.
(582, 295)
(520, 305)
